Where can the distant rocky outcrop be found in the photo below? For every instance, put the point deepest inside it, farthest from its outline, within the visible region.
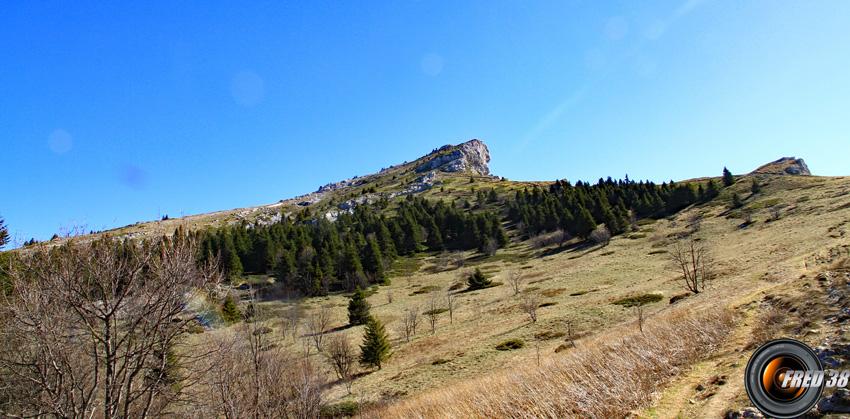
(471, 156)
(784, 166)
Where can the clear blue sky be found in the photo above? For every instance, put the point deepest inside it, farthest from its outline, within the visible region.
(111, 114)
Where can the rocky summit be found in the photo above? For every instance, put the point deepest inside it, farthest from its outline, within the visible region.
(471, 156)
(784, 166)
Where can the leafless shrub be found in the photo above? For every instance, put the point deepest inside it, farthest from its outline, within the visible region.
(600, 235)
(490, 247)
(694, 260)
(529, 303)
(342, 357)
(458, 259)
(639, 314)
(250, 376)
(317, 322)
(98, 329)
(558, 237)
(433, 310)
(768, 325)
(515, 279)
(451, 304)
(622, 365)
(410, 322)
(775, 212)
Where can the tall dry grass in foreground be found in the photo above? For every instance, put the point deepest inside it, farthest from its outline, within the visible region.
(605, 377)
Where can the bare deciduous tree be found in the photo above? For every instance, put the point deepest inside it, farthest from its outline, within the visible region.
(251, 377)
(458, 259)
(515, 279)
(694, 261)
(433, 310)
(529, 304)
(451, 305)
(639, 314)
(317, 323)
(342, 357)
(98, 329)
(409, 322)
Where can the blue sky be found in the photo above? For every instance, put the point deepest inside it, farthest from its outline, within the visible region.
(115, 113)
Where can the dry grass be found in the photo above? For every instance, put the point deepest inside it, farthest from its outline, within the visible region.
(607, 376)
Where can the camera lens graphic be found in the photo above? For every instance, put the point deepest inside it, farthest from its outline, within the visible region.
(768, 369)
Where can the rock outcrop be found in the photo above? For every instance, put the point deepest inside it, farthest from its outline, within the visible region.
(471, 156)
(784, 166)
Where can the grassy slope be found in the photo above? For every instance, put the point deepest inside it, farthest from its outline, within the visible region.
(752, 261)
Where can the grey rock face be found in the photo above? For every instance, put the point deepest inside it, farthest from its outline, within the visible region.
(785, 166)
(471, 156)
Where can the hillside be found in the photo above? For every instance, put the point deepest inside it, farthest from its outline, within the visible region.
(768, 254)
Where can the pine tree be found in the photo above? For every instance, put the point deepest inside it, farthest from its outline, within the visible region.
(728, 179)
(584, 223)
(711, 191)
(373, 261)
(435, 238)
(229, 310)
(736, 201)
(478, 281)
(755, 187)
(358, 308)
(351, 266)
(4, 233)
(376, 346)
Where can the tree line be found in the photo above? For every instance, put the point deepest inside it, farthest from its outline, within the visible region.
(578, 209)
(316, 256)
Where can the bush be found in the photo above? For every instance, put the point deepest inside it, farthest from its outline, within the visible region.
(510, 345)
(342, 409)
(601, 235)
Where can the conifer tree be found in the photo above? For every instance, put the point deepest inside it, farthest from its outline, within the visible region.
(351, 266)
(376, 346)
(358, 308)
(229, 310)
(736, 201)
(478, 280)
(584, 223)
(373, 261)
(755, 187)
(4, 233)
(728, 179)
(711, 190)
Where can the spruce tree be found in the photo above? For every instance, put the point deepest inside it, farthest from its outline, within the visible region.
(4, 233)
(755, 187)
(736, 201)
(358, 308)
(376, 346)
(478, 281)
(229, 310)
(373, 261)
(584, 223)
(728, 179)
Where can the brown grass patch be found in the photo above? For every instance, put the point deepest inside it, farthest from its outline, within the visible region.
(585, 381)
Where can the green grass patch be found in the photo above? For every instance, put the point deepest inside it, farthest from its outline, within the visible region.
(510, 345)
(636, 236)
(639, 300)
(646, 221)
(406, 266)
